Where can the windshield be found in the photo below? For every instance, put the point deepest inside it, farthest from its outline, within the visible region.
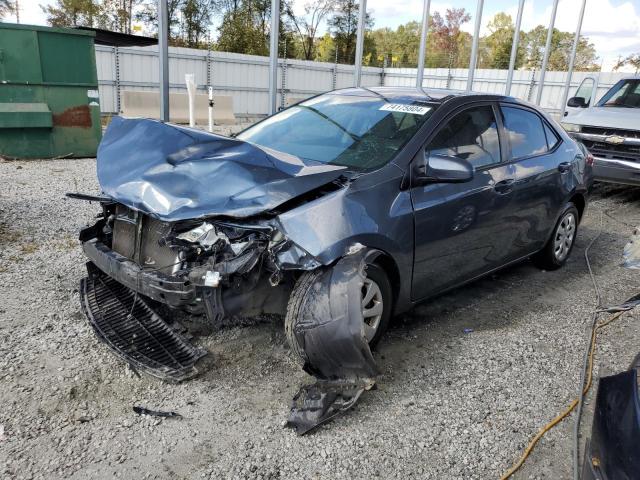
(357, 132)
(625, 94)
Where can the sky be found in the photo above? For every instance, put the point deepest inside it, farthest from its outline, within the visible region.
(613, 26)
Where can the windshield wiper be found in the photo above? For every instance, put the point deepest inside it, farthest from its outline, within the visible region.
(330, 120)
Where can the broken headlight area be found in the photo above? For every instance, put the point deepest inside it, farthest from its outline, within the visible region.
(201, 266)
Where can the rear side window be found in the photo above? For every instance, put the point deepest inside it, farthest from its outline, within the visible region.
(525, 131)
(471, 135)
(552, 137)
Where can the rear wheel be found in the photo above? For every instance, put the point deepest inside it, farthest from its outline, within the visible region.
(556, 252)
(376, 303)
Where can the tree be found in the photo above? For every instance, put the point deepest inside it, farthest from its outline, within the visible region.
(240, 33)
(344, 26)
(632, 60)
(325, 48)
(6, 7)
(245, 29)
(72, 13)
(561, 45)
(189, 20)
(148, 15)
(447, 40)
(116, 15)
(197, 16)
(496, 47)
(397, 48)
(306, 26)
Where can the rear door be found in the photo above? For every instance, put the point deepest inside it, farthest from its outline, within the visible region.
(544, 176)
(462, 230)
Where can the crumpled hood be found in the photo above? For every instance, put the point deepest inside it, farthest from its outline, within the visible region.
(607, 117)
(177, 173)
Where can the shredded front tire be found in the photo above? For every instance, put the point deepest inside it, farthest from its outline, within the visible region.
(294, 307)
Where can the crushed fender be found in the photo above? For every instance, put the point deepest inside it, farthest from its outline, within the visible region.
(329, 330)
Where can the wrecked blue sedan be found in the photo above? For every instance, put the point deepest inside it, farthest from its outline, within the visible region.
(336, 213)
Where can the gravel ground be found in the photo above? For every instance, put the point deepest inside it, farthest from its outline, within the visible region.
(451, 403)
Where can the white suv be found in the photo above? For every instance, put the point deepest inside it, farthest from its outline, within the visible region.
(610, 129)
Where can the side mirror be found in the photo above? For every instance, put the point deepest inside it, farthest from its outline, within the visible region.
(577, 102)
(441, 169)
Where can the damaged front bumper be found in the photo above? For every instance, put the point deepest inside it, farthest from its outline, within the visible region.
(169, 289)
(213, 268)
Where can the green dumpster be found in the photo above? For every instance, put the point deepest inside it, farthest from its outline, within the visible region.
(49, 105)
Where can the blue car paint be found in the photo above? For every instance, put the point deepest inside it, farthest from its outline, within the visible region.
(174, 173)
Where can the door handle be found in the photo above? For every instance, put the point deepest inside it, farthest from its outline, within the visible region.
(564, 167)
(505, 186)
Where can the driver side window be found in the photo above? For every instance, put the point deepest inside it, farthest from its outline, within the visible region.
(471, 135)
(585, 89)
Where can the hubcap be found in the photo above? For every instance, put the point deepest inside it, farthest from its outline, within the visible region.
(372, 307)
(565, 235)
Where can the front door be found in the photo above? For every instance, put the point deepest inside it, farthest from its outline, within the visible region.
(462, 230)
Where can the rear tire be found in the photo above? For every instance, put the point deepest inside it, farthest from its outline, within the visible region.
(557, 250)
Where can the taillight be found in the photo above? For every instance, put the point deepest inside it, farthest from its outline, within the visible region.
(590, 160)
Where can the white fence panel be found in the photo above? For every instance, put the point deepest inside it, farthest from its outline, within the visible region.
(245, 78)
(525, 82)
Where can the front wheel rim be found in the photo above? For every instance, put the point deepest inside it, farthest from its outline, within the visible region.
(564, 237)
(372, 308)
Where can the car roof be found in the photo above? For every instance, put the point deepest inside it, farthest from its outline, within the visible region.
(413, 93)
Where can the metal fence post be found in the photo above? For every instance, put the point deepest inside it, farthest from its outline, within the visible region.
(532, 85)
(474, 46)
(273, 56)
(284, 78)
(209, 65)
(547, 52)
(514, 48)
(423, 42)
(163, 58)
(360, 43)
(116, 60)
(574, 49)
(334, 79)
(449, 67)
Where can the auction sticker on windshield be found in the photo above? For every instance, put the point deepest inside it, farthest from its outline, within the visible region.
(400, 107)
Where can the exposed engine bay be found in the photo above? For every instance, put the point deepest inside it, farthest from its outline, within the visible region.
(182, 264)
